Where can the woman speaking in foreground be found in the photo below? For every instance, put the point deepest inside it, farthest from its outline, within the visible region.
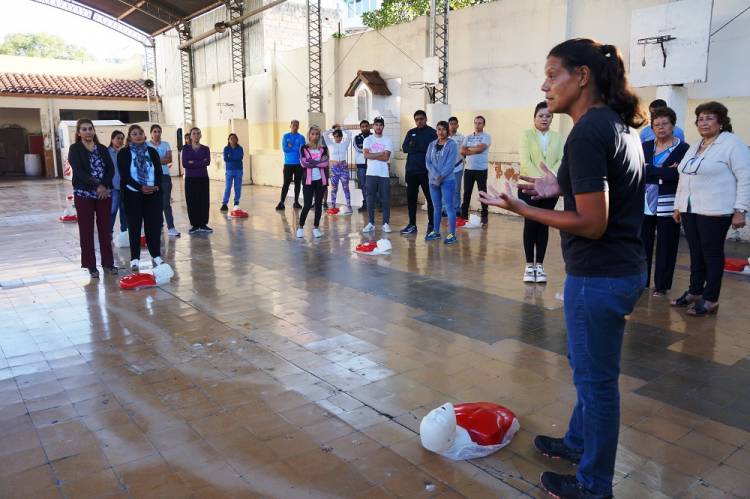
(601, 181)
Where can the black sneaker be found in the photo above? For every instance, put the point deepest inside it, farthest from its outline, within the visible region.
(325, 205)
(362, 209)
(484, 220)
(193, 231)
(297, 206)
(93, 273)
(112, 270)
(409, 229)
(280, 207)
(555, 448)
(224, 207)
(566, 487)
(430, 228)
(207, 229)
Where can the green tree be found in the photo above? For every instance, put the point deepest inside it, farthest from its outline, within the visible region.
(42, 45)
(401, 11)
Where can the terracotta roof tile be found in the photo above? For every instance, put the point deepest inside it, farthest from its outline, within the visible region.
(373, 81)
(73, 86)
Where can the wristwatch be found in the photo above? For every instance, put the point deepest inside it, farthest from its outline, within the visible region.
(740, 211)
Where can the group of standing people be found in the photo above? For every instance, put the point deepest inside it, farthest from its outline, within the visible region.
(703, 189)
(430, 166)
(132, 177)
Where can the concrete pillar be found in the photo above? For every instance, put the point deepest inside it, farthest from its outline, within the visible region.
(437, 112)
(315, 118)
(676, 97)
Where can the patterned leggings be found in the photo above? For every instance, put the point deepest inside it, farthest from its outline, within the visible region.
(340, 171)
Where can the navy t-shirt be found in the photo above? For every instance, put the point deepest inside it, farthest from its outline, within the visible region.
(603, 154)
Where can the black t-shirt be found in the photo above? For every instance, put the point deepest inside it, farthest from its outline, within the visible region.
(603, 154)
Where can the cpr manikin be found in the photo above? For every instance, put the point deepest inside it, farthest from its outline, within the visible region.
(161, 275)
(468, 431)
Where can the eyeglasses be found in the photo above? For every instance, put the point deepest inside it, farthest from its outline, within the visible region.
(692, 165)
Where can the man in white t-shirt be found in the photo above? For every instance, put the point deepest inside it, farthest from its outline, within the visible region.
(458, 170)
(377, 150)
(476, 149)
(165, 154)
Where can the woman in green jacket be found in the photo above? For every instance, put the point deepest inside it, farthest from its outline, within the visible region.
(539, 146)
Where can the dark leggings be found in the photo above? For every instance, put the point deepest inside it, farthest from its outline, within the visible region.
(197, 198)
(310, 193)
(535, 234)
(705, 236)
(413, 183)
(143, 210)
(291, 172)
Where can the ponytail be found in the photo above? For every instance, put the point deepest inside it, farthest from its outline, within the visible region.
(608, 73)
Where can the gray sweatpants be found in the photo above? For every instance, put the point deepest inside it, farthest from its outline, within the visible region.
(378, 188)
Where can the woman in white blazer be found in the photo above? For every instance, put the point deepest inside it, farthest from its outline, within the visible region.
(713, 193)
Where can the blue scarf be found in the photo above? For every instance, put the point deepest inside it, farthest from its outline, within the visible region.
(142, 161)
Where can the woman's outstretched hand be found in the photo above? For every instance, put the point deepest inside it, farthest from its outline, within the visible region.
(541, 187)
(506, 200)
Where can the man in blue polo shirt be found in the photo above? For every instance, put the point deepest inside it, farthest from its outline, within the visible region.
(291, 143)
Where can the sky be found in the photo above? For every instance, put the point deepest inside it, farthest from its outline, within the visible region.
(25, 16)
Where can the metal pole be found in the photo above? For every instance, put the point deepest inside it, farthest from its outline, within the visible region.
(314, 38)
(186, 66)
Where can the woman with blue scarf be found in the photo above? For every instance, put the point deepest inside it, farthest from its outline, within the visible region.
(140, 173)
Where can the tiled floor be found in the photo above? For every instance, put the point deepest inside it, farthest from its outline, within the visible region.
(277, 367)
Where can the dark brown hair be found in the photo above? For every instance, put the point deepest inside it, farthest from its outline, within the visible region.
(664, 112)
(480, 117)
(154, 127)
(190, 134)
(113, 135)
(229, 143)
(541, 105)
(608, 73)
(84, 121)
(443, 124)
(135, 127)
(719, 110)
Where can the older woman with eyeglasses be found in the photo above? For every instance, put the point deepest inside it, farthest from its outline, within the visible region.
(713, 193)
(662, 155)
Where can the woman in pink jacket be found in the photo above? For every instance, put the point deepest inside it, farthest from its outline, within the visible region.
(314, 160)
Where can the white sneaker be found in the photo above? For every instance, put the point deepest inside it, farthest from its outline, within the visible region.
(347, 210)
(387, 228)
(157, 261)
(529, 275)
(368, 228)
(541, 275)
(300, 232)
(317, 233)
(173, 232)
(134, 264)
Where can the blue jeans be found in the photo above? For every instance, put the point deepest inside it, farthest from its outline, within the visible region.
(459, 181)
(118, 203)
(233, 177)
(439, 193)
(459, 176)
(595, 310)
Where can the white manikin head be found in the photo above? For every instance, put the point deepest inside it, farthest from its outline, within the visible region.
(438, 429)
(384, 245)
(163, 274)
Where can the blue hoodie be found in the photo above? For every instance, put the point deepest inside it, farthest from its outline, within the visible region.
(441, 163)
(233, 157)
(291, 144)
